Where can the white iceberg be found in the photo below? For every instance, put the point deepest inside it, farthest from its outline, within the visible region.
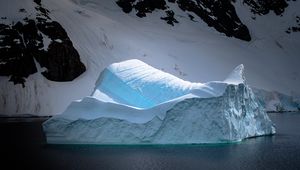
(134, 103)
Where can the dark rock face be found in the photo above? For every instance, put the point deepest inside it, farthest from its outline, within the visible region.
(142, 7)
(263, 7)
(62, 62)
(218, 14)
(22, 44)
(37, 2)
(15, 59)
(61, 59)
(296, 27)
(148, 6)
(170, 18)
(126, 5)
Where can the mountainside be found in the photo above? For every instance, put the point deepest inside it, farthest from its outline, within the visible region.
(37, 39)
(274, 101)
(51, 52)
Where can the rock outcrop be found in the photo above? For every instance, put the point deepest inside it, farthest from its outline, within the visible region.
(38, 40)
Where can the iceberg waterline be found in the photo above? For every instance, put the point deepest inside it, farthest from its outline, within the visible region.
(134, 103)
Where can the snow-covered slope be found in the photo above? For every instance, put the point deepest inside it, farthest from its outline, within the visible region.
(277, 102)
(134, 103)
(103, 34)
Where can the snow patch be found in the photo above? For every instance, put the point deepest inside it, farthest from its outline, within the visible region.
(58, 40)
(46, 41)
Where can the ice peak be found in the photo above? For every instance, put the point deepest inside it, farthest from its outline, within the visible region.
(237, 75)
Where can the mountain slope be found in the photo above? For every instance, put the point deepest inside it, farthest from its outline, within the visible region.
(274, 101)
(103, 33)
(36, 39)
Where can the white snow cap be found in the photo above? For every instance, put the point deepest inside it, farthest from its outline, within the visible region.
(237, 76)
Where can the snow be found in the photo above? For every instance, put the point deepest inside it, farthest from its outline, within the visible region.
(58, 40)
(274, 101)
(192, 51)
(46, 41)
(134, 103)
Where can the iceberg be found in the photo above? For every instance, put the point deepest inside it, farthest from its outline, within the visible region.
(134, 103)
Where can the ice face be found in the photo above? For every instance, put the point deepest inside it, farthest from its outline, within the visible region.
(237, 76)
(134, 103)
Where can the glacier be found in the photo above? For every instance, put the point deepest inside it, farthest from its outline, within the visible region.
(134, 103)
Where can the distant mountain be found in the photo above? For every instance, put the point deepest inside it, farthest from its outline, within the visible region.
(274, 101)
(51, 52)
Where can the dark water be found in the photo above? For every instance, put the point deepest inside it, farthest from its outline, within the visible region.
(23, 146)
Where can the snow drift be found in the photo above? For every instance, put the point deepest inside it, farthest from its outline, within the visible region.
(134, 103)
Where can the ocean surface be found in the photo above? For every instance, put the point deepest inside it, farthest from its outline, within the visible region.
(23, 146)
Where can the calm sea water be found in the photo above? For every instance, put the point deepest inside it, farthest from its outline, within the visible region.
(23, 146)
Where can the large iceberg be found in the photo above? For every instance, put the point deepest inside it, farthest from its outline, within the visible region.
(134, 103)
